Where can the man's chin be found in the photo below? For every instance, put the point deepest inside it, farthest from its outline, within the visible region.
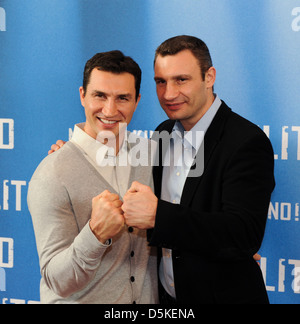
(173, 115)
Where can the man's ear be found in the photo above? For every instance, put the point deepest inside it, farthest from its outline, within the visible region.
(137, 102)
(210, 77)
(82, 95)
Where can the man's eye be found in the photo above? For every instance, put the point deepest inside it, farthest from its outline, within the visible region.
(160, 82)
(182, 80)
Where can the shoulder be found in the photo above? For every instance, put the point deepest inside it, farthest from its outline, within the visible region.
(166, 126)
(244, 140)
(47, 186)
(238, 129)
(55, 164)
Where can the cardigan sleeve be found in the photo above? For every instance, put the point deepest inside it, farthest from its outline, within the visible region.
(69, 259)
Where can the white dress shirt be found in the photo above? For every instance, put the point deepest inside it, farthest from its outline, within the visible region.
(181, 154)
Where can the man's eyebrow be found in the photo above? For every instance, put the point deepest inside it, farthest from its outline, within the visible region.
(184, 76)
(119, 95)
(122, 96)
(127, 95)
(175, 77)
(98, 92)
(181, 76)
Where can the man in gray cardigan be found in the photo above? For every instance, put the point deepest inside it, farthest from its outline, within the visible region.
(87, 253)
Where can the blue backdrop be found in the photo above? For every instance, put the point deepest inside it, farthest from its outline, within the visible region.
(44, 45)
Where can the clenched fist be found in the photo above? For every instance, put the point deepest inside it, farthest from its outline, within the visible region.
(140, 206)
(107, 216)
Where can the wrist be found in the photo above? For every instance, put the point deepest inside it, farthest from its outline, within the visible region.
(102, 239)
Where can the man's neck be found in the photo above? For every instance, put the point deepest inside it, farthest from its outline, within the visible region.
(190, 123)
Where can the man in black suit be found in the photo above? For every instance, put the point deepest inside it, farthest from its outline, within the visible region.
(209, 226)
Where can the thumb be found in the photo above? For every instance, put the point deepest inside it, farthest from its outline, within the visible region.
(137, 187)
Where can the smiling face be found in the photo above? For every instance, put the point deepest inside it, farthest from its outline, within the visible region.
(109, 100)
(181, 90)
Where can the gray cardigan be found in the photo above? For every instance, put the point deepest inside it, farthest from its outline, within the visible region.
(75, 266)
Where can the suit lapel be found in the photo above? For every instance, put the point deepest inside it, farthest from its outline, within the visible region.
(158, 170)
(211, 140)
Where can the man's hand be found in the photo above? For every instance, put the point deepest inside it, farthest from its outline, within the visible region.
(107, 216)
(55, 147)
(257, 258)
(140, 206)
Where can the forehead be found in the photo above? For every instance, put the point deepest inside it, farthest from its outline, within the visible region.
(182, 63)
(111, 82)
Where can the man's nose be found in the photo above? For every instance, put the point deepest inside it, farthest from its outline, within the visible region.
(171, 92)
(110, 109)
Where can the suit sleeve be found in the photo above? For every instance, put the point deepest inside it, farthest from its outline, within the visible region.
(236, 231)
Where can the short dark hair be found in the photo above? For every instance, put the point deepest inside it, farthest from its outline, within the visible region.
(177, 44)
(114, 62)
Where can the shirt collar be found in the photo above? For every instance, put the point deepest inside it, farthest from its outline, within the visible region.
(194, 137)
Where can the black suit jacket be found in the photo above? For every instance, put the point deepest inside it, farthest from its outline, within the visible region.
(220, 222)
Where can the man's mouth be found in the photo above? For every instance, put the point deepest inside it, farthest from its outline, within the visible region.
(107, 122)
(174, 106)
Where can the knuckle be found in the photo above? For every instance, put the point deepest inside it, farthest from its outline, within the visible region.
(107, 204)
